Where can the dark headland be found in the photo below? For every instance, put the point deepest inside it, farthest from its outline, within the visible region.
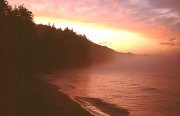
(28, 52)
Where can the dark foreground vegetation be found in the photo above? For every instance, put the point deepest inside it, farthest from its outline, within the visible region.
(27, 50)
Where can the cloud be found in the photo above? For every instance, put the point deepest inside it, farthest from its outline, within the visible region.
(171, 42)
(167, 13)
(156, 18)
(104, 43)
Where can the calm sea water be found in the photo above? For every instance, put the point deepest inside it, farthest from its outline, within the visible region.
(143, 86)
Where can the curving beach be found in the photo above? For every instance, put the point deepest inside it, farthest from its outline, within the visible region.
(36, 97)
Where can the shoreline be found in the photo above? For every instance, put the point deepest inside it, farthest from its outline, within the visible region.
(95, 106)
(32, 96)
(63, 104)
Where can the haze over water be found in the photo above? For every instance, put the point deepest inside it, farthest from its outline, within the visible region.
(144, 85)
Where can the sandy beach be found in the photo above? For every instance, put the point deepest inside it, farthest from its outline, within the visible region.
(36, 97)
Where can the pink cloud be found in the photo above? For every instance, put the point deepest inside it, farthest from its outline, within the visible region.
(135, 15)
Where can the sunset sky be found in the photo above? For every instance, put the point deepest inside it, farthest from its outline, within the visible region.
(138, 26)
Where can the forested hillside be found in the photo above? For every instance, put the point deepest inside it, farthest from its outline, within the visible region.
(25, 44)
(28, 50)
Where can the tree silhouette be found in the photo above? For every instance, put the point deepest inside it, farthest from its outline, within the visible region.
(27, 49)
(23, 13)
(5, 9)
(43, 47)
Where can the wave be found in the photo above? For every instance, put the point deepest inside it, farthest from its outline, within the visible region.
(150, 89)
(107, 108)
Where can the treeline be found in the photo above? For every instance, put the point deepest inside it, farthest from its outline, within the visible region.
(27, 46)
(26, 50)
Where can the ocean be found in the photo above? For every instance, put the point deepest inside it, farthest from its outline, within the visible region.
(126, 86)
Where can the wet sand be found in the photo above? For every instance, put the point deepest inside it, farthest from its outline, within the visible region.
(107, 109)
(36, 97)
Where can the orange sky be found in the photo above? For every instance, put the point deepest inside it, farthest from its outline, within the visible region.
(138, 26)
